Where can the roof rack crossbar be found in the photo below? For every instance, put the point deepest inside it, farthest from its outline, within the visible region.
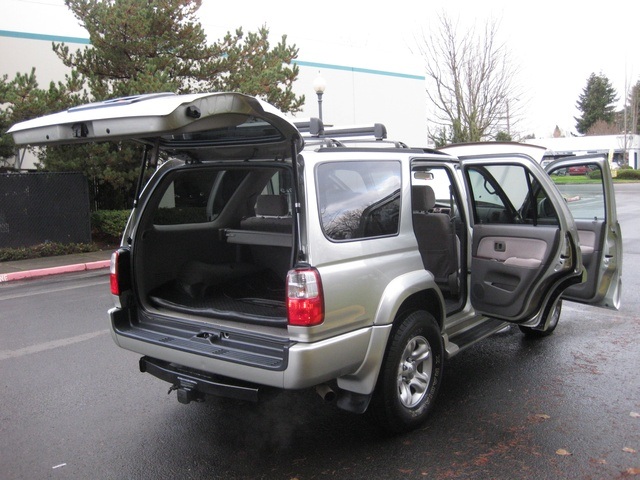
(316, 128)
(377, 130)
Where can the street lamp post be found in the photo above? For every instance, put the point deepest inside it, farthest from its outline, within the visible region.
(319, 85)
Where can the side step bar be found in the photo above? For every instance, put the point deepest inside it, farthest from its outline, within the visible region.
(193, 385)
(460, 340)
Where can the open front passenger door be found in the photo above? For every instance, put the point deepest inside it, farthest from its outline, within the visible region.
(587, 187)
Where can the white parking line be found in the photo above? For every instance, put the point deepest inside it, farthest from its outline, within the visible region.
(53, 290)
(41, 347)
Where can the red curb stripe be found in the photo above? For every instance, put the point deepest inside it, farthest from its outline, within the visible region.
(99, 264)
(43, 272)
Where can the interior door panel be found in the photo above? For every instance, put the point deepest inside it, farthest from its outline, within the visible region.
(591, 234)
(507, 260)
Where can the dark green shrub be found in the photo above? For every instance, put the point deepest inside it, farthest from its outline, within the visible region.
(595, 174)
(628, 174)
(109, 224)
(49, 249)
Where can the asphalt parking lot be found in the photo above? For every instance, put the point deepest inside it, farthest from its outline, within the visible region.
(75, 406)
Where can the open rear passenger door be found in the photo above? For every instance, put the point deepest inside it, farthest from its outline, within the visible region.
(587, 187)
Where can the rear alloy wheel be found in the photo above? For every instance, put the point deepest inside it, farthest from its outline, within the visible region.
(411, 374)
(553, 323)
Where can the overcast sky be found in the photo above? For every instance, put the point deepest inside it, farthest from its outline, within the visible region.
(556, 44)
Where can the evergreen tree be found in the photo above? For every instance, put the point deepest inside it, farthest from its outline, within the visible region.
(23, 99)
(6, 143)
(597, 102)
(503, 136)
(144, 46)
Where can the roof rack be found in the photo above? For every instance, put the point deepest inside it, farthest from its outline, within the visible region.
(315, 128)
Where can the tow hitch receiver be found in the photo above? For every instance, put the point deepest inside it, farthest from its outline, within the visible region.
(192, 385)
(186, 391)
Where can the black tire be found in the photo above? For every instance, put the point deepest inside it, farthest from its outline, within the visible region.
(410, 375)
(555, 318)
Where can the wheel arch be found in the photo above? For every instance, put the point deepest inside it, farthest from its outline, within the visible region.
(412, 291)
(427, 300)
(409, 293)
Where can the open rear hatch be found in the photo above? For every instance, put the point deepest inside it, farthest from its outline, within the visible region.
(231, 122)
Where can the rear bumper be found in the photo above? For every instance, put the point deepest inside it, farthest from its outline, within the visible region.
(248, 358)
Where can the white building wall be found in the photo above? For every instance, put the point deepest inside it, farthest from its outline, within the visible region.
(364, 96)
(23, 51)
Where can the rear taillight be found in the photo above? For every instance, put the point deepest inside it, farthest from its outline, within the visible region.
(305, 303)
(119, 271)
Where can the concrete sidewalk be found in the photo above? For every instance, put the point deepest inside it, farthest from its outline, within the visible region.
(40, 267)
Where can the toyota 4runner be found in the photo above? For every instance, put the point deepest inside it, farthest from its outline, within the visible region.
(264, 254)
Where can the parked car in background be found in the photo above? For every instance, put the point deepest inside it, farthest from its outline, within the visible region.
(578, 170)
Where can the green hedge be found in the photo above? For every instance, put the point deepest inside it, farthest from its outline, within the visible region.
(628, 174)
(106, 228)
(623, 173)
(109, 223)
(49, 249)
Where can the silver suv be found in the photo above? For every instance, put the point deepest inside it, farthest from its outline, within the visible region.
(264, 254)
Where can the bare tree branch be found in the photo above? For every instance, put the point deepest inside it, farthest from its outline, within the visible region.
(470, 81)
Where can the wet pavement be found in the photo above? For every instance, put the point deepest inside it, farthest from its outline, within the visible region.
(76, 407)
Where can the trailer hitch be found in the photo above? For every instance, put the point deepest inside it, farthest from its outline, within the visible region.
(186, 391)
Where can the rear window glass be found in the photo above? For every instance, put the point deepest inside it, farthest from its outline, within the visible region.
(359, 199)
(251, 131)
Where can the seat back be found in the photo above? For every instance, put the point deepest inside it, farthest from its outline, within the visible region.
(272, 215)
(436, 238)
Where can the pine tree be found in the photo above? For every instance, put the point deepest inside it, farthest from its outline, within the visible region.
(23, 99)
(145, 46)
(597, 102)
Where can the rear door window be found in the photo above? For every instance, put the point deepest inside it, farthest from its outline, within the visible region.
(509, 194)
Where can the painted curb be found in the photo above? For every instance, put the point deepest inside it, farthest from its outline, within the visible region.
(43, 272)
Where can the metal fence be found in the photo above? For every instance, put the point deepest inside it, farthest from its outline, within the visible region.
(37, 208)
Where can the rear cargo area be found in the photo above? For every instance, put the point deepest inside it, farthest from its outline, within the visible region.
(243, 291)
(217, 243)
